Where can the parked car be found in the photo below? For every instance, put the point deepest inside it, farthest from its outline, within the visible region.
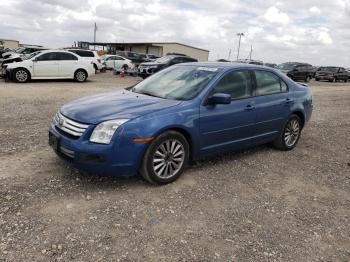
(297, 71)
(134, 57)
(89, 55)
(270, 65)
(115, 61)
(223, 60)
(250, 61)
(147, 69)
(182, 113)
(23, 50)
(148, 57)
(332, 74)
(49, 64)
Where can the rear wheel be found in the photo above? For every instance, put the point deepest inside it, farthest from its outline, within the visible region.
(290, 134)
(165, 159)
(80, 76)
(21, 75)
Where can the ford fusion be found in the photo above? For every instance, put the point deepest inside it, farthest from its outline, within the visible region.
(182, 113)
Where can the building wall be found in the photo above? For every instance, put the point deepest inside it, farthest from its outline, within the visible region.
(201, 55)
(9, 43)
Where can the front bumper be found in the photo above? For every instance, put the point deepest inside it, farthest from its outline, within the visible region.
(120, 158)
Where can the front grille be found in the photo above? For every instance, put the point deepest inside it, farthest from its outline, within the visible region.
(69, 126)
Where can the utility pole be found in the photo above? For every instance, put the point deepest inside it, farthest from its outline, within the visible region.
(251, 51)
(229, 55)
(239, 43)
(95, 29)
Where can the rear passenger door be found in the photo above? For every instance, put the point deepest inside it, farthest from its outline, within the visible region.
(272, 102)
(67, 64)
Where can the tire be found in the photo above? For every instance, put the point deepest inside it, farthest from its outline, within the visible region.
(21, 75)
(332, 80)
(165, 159)
(317, 79)
(125, 67)
(80, 75)
(345, 80)
(95, 67)
(292, 127)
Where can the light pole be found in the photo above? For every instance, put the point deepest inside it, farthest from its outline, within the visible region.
(239, 43)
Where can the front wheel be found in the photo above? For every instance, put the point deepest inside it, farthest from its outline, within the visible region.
(21, 75)
(290, 134)
(165, 159)
(80, 76)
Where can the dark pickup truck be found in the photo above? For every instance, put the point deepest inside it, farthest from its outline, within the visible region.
(332, 74)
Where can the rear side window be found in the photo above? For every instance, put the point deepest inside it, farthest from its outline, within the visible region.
(67, 56)
(268, 83)
(237, 84)
(83, 53)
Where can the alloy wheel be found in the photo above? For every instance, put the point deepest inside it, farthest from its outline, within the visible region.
(168, 158)
(81, 76)
(21, 76)
(292, 132)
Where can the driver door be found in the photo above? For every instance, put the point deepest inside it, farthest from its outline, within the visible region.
(46, 65)
(230, 126)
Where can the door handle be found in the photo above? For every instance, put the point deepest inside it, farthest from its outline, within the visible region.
(249, 107)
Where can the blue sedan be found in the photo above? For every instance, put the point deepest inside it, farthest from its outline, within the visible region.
(183, 113)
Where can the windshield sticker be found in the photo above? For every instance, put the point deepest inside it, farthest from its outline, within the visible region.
(210, 69)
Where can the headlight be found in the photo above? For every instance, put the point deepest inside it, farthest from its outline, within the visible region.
(104, 131)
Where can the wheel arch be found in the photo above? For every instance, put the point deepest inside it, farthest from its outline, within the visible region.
(301, 115)
(83, 69)
(183, 132)
(13, 70)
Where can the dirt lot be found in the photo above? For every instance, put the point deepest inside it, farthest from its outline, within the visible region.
(257, 205)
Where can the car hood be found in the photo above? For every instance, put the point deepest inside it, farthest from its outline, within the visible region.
(113, 105)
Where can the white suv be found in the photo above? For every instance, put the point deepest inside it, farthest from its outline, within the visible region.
(89, 55)
(49, 64)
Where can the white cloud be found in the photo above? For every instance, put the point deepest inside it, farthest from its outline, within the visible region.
(274, 15)
(315, 10)
(279, 31)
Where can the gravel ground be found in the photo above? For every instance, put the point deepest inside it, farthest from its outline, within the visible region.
(257, 205)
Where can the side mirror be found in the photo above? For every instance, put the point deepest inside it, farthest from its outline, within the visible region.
(220, 99)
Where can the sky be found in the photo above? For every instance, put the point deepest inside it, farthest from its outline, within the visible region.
(313, 31)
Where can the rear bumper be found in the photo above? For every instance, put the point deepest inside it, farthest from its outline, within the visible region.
(120, 158)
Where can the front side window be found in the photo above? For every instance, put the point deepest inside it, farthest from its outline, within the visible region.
(238, 84)
(52, 56)
(268, 83)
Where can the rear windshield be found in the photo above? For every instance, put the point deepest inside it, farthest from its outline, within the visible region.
(286, 66)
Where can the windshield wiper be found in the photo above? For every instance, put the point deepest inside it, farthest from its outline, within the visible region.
(148, 94)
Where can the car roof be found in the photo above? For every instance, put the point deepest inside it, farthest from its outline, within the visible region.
(225, 65)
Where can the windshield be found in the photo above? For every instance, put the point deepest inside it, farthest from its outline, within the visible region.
(29, 56)
(286, 66)
(164, 59)
(328, 68)
(19, 50)
(178, 83)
